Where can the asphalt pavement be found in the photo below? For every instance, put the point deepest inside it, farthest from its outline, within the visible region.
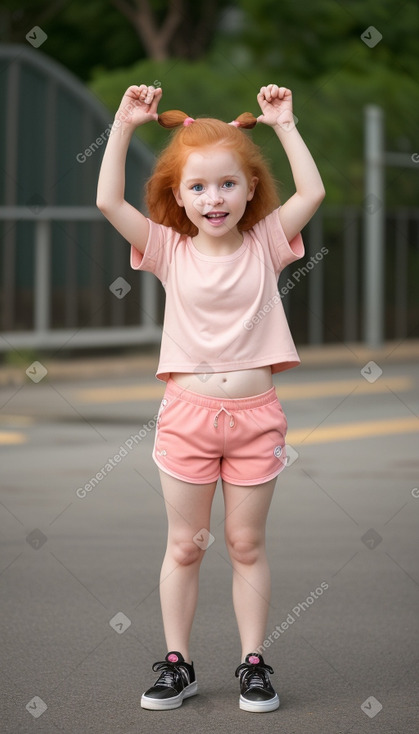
(83, 528)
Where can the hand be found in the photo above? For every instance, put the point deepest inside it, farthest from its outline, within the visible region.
(139, 105)
(276, 105)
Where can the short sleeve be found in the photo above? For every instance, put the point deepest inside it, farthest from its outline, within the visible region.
(158, 251)
(269, 230)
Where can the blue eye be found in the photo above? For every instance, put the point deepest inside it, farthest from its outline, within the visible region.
(229, 184)
(197, 188)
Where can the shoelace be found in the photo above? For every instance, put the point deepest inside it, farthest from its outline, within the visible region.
(228, 413)
(254, 674)
(170, 673)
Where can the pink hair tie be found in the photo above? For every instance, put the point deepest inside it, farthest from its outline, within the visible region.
(188, 121)
(235, 123)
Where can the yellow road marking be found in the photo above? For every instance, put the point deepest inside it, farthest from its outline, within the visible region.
(342, 387)
(8, 438)
(308, 435)
(16, 420)
(351, 431)
(153, 391)
(121, 394)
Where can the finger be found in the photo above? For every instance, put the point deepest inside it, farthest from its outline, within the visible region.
(274, 89)
(153, 94)
(155, 101)
(268, 95)
(132, 91)
(142, 92)
(262, 93)
(146, 93)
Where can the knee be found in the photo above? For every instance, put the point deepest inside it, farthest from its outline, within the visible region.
(185, 552)
(244, 549)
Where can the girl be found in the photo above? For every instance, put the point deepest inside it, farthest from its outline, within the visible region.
(217, 239)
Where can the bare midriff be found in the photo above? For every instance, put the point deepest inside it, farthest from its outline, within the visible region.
(236, 384)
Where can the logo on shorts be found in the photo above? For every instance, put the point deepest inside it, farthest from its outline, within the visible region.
(277, 451)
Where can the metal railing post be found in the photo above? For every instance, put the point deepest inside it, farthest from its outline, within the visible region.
(350, 278)
(374, 212)
(315, 284)
(149, 297)
(42, 285)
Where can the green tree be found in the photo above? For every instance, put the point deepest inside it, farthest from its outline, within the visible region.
(181, 28)
(330, 115)
(109, 34)
(81, 35)
(310, 39)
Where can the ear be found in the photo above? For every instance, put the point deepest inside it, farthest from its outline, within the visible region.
(176, 194)
(252, 187)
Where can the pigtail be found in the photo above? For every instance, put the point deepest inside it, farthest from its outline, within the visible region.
(246, 120)
(172, 118)
(177, 118)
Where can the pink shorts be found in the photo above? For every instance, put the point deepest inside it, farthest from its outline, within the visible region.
(200, 438)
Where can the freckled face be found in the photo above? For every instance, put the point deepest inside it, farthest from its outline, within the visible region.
(214, 190)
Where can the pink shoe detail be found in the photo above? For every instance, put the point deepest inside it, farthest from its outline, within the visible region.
(254, 660)
(173, 658)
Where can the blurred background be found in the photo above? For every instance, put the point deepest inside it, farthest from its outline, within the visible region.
(65, 278)
(82, 538)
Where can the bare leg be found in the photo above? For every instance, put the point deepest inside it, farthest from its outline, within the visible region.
(246, 513)
(188, 508)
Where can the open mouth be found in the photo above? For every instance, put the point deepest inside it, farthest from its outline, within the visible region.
(216, 217)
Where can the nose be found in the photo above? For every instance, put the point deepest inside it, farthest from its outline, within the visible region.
(214, 195)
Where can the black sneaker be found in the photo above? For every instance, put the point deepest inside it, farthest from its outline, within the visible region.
(256, 692)
(176, 682)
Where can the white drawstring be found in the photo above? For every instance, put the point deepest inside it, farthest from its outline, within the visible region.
(225, 411)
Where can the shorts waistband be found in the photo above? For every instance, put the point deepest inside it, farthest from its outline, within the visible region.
(209, 401)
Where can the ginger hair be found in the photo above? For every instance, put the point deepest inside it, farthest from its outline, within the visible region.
(201, 133)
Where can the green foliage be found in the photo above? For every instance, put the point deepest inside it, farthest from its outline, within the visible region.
(213, 89)
(313, 38)
(330, 112)
(313, 48)
(81, 35)
(22, 358)
(199, 88)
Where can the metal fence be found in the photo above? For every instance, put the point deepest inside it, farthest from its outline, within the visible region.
(58, 255)
(85, 296)
(82, 292)
(65, 278)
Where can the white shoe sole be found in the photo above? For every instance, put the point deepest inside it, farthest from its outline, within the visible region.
(259, 706)
(165, 704)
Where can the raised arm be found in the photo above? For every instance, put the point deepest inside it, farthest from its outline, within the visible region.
(276, 105)
(138, 106)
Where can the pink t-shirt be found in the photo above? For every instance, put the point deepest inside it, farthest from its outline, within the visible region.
(223, 313)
